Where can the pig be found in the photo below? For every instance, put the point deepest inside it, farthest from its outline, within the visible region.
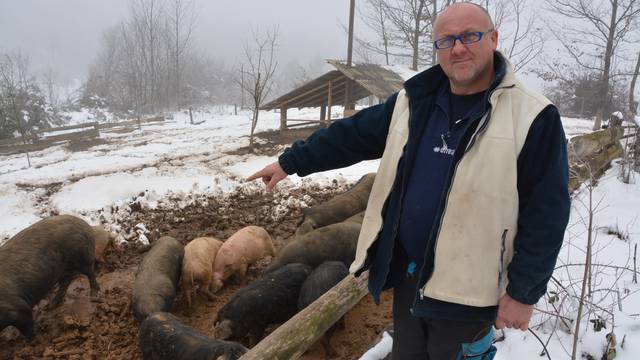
(321, 280)
(357, 218)
(51, 251)
(242, 249)
(156, 283)
(272, 299)
(338, 208)
(162, 336)
(336, 242)
(197, 266)
(104, 241)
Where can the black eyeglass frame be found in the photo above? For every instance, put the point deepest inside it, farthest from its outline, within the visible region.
(438, 44)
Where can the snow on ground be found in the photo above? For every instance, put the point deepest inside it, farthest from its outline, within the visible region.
(175, 159)
(160, 159)
(574, 126)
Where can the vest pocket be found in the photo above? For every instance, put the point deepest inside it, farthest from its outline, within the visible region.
(503, 248)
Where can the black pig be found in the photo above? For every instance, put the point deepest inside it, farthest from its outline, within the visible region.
(49, 252)
(162, 336)
(336, 242)
(271, 299)
(157, 278)
(321, 280)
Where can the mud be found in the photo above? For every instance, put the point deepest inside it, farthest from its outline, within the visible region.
(81, 329)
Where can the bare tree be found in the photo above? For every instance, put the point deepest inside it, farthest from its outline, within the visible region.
(522, 40)
(259, 68)
(597, 31)
(374, 17)
(403, 29)
(181, 20)
(23, 107)
(410, 19)
(632, 89)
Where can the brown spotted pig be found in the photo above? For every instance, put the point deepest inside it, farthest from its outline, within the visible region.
(157, 278)
(335, 242)
(48, 253)
(338, 208)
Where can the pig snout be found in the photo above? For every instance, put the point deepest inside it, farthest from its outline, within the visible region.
(103, 242)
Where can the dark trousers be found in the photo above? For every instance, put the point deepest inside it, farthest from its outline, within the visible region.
(429, 339)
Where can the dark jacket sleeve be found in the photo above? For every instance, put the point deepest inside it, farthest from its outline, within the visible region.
(346, 142)
(543, 175)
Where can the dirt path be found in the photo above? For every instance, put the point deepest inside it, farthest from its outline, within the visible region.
(81, 329)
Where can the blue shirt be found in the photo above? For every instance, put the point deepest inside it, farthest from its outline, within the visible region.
(439, 140)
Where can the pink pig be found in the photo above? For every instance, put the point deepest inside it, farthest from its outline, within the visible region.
(242, 249)
(197, 266)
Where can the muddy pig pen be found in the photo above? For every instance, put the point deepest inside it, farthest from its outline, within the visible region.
(106, 328)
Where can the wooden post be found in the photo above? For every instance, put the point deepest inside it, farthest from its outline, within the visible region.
(190, 115)
(293, 338)
(347, 92)
(323, 113)
(329, 100)
(283, 119)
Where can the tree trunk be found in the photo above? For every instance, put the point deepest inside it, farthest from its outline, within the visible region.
(294, 337)
(603, 109)
(632, 102)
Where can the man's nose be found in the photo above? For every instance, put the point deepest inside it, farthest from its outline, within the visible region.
(458, 47)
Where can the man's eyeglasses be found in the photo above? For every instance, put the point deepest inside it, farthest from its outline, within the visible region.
(465, 38)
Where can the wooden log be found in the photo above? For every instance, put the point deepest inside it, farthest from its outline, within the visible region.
(305, 120)
(89, 133)
(293, 338)
(70, 127)
(302, 124)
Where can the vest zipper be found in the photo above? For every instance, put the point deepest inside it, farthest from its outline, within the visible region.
(484, 121)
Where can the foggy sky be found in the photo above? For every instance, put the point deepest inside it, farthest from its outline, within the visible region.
(65, 34)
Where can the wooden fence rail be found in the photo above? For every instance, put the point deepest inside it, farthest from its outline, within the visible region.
(41, 139)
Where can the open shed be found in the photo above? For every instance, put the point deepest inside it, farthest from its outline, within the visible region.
(329, 90)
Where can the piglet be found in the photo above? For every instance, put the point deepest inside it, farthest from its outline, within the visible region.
(47, 253)
(272, 299)
(242, 249)
(157, 278)
(197, 266)
(162, 336)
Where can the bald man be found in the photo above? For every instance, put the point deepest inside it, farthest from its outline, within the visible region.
(470, 203)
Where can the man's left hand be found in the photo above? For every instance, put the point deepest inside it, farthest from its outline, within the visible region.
(513, 314)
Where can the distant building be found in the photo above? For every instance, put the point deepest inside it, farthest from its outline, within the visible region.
(328, 90)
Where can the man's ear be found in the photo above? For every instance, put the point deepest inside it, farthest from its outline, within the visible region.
(494, 39)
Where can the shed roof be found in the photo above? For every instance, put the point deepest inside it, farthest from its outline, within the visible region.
(368, 79)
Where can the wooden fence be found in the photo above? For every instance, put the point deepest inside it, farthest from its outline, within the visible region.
(42, 139)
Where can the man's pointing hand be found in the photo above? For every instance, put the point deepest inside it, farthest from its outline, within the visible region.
(271, 175)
